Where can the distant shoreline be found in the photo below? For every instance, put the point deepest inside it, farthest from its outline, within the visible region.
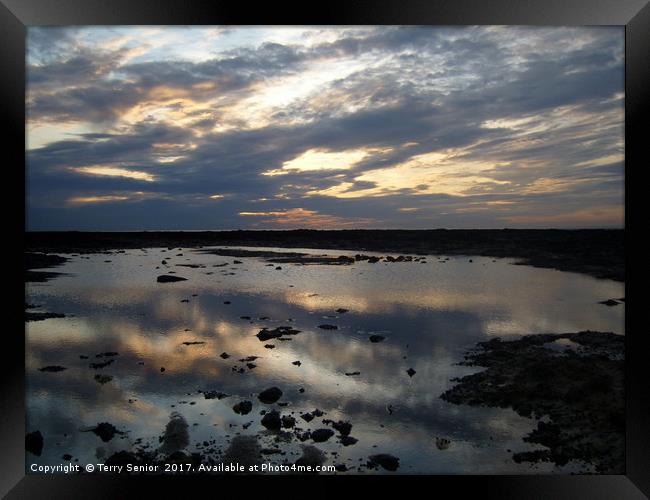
(595, 252)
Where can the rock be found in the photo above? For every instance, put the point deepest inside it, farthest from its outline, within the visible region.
(297, 363)
(388, 462)
(227, 302)
(40, 316)
(442, 443)
(321, 435)
(193, 343)
(103, 379)
(376, 338)
(52, 369)
(225, 355)
(270, 395)
(162, 369)
(311, 457)
(609, 302)
(249, 358)
(328, 327)
(272, 421)
(269, 346)
(243, 407)
(176, 435)
(411, 372)
(105, 431)
(348, 440)
(214, 395)
(307, 417)
(67, 457)
(265, 334)
(344, 428)
(103, 364)
(340, 310)
(288, 421)
(350, 374)
(251, 365)
(165, 278)
(34, 443)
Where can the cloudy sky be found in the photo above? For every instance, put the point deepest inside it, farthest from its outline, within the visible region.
(324, 127)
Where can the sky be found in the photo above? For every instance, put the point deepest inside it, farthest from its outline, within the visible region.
(220, 127)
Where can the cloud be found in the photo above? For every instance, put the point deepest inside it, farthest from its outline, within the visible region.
(346, 127)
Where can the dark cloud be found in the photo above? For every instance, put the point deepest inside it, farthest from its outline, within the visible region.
(538, 104)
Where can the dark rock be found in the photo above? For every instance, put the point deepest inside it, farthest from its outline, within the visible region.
(272, 421)
(34, 443)
(243, 407)
(270, 395)
(103, 364)
(376, 338)
(103, 379)
(307, 417)
(328, 327)
(193, 343)
(52, 368)
(388, 462)
(322, 435)
(311, 457)
(105, 431)
(162, 369)
(265, 334)
(344, 428)
(340, 310)
(288, 421)
(609, 302)
(411, 372)
(350, 374)
(41, 316)
(348, 440)
(67, 457)
(297, 363)
(214, 395)
(165, 278)
(225, 355)
(269, 346)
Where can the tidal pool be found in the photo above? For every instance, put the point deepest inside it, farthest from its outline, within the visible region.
(429, 313)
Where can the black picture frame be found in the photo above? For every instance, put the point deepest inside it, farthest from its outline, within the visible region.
(17, 15)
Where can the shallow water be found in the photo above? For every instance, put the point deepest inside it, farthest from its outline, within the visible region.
(429, 313)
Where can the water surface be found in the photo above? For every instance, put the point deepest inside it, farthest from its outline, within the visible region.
(429, 313)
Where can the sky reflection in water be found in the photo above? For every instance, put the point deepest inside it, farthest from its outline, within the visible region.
(429, 313)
